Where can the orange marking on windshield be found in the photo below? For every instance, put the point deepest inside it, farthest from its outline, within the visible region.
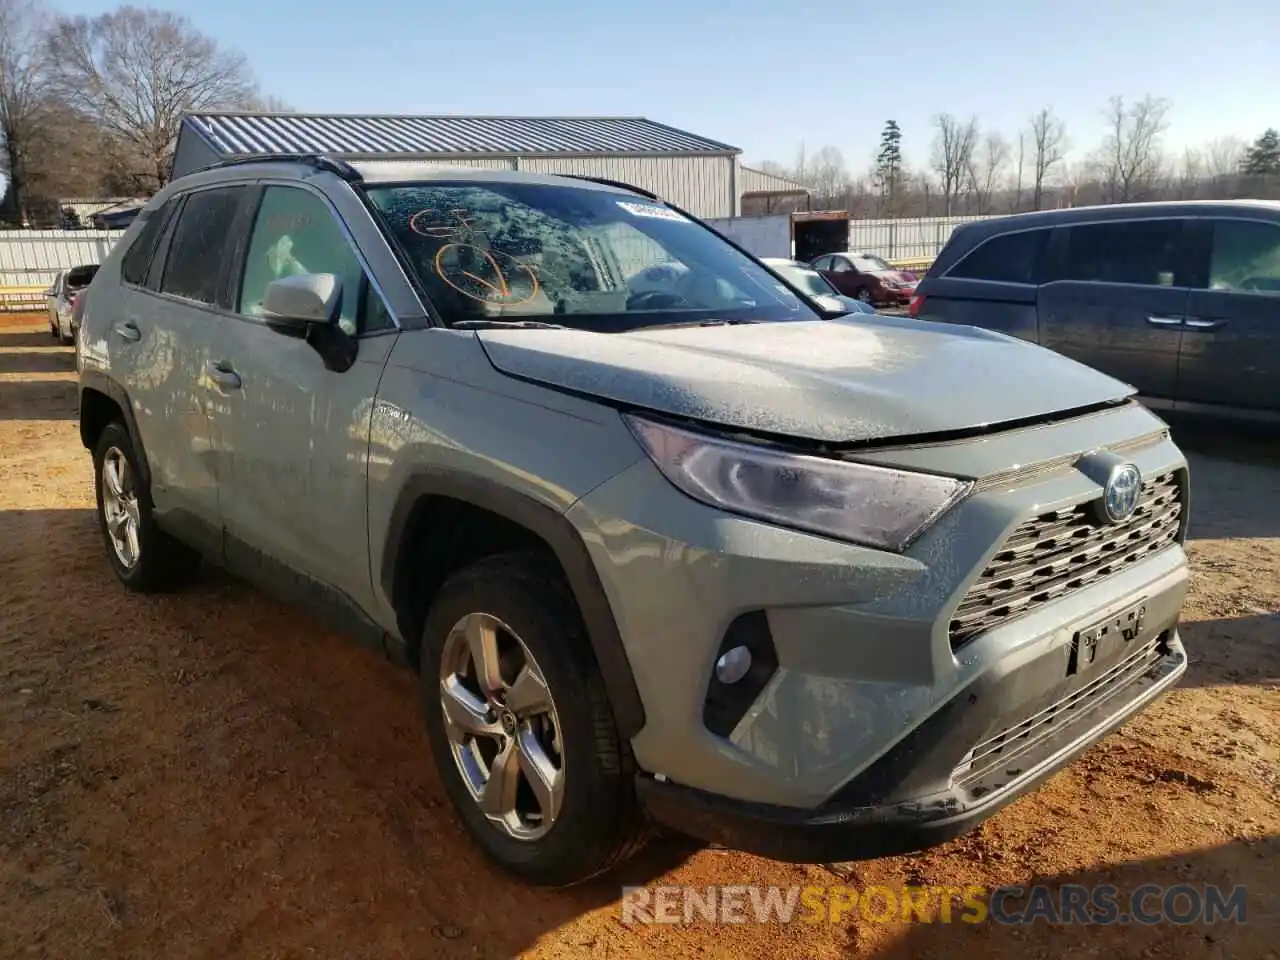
(497, 291)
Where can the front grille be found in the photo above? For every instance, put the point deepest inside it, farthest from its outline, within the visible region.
(1009, 753)
(1062, 551)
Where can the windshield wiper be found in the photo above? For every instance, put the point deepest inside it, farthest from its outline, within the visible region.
(703, 323)
(506, 325)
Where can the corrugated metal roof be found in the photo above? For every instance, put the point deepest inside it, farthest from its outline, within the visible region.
(758, 181)
(253, 134)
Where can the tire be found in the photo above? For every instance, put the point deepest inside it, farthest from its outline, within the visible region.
(161, 562)
(599, 823)
(864, 295)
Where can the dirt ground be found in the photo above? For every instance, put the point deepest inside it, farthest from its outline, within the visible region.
(210, 774)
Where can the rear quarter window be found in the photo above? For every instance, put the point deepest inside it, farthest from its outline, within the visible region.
(1007, 258)
(133, 266)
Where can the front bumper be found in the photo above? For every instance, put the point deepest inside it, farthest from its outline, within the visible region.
(857, 823)
(862, 653)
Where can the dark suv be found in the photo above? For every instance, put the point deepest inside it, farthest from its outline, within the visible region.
(1181, 300)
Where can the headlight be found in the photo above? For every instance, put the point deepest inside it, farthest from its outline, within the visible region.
(876, 506)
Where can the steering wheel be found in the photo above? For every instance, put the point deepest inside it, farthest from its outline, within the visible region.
(1261, 284)
(657, 300)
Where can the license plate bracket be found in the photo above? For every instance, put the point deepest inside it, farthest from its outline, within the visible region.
(1097, 642)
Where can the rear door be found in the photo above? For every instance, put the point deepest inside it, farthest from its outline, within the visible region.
(1231, 342)
(158, 342)
(1115, 298)
(993, 286)
(52, 296)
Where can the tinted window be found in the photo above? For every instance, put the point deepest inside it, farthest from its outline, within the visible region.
(133, 266)
(1246, 257)
(295, 233)
(81, 276)
(1147, 252)
(1009, 258)
(841, 265)
(196, 253)
(870, 264)
(823, 262)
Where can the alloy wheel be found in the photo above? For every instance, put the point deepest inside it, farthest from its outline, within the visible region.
(120, 507)
(504, 733)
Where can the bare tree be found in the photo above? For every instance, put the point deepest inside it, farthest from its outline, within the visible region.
(137, 71)
(1223, 156)
(1048, 149)
(825, 174)
(1019, 170)
(268, 104)
(1188, 174)
(23, 95)
(952, 156)
(986, 170)
(1130, 155)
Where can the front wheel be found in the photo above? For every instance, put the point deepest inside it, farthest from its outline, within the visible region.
(143, 556)
(864, 295)
(520, 725)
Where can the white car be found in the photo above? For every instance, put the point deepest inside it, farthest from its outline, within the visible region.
(60, 300)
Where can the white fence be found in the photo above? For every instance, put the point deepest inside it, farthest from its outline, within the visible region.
(31, 258)
(921, 238)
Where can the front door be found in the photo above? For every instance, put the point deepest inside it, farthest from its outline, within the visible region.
(293, 436)
(1231, 343)
(1115, 297)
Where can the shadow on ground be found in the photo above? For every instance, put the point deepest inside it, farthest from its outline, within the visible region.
(1253, 865)
(38, 400)
(214, 769)
(11, 339)
(1233, 650)
(53, 360)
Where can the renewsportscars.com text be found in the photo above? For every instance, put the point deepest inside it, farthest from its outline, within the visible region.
(1069, 904)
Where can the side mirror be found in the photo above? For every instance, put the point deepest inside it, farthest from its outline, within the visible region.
(296, 303)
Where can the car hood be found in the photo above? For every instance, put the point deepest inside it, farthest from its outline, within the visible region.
(818, 380)
(899, 276)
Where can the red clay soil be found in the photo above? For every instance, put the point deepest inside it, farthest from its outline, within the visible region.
(211, 774)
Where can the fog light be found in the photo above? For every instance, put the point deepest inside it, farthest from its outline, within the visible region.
(733, 665)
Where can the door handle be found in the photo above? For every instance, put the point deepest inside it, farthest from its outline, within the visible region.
(1199, 323)
(128, 330)
(223, 377)
(1164, 321)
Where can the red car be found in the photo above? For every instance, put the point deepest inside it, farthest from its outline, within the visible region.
(866, 277)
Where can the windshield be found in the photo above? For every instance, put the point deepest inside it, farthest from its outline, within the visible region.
(806, 279)
(574, 256)
(871, 265)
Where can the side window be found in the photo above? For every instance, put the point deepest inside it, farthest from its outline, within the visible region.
(133, 265)
(193, 265)
(841, 265)
(1009, 258)
(823, 262)
(295, 233)
(1147, 252)
(1246, 257)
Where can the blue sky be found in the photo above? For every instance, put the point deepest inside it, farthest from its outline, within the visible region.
(767, 75)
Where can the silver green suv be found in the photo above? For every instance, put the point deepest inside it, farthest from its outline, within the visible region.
(665, 547)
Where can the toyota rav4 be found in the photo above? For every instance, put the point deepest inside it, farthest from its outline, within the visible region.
(664, 547)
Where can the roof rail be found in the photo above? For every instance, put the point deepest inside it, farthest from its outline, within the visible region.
(612, 183)
(320, 161)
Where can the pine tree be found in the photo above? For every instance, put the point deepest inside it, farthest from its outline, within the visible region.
(889, 164)
(1264, 156)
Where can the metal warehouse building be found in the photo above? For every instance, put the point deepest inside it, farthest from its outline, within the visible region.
(702, 176)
